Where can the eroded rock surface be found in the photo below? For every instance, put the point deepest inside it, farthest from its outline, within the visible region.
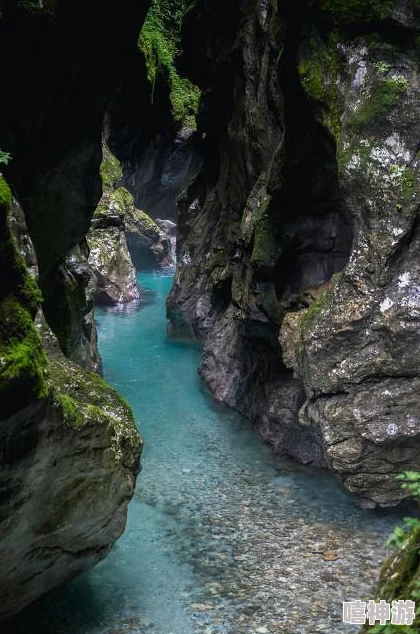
(358, 342)
(109, 256)
(149, 244)
(156, 175)
(306, 215)
(69, 447)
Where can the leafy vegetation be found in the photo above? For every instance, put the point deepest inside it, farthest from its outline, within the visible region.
(5, 157)
(400, 575)
(160, 43)
(411, 482)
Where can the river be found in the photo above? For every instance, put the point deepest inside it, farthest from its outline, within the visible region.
(222, 537)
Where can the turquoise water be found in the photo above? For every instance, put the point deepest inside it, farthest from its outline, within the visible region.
(222, 537)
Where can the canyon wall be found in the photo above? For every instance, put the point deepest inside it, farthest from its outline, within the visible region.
(69, 446)
(297, 242)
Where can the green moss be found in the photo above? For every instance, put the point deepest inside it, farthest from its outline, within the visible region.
(71, 411)
(77, 414)
(122, 198)
(88, 389)
(319, 70)
(159, 42)
(138, 222)
(111, 171)
(315, 309)
(146, 222)
(384, 97)
(5, 193)
(22, 358)
(31, 293)
(407, 184)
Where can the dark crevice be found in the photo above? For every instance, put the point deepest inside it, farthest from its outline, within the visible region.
(308, 213)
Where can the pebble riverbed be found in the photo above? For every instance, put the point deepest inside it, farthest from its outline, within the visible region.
(222, 537)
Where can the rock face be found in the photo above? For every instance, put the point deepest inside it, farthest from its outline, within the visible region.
(149, 244)
(157, 174)
(68, 301)
(108, 251)
(304, 219)
(356, 353)
(52, 126)
(109, 257)
(69, 446)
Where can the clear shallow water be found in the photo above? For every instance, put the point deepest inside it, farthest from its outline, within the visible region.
(222, 537)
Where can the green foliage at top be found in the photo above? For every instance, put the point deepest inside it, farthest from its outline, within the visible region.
(160, 42)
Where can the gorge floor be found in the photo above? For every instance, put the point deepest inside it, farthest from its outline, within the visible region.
(222, 537)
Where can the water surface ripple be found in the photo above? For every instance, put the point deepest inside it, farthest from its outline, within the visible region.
(222, 537)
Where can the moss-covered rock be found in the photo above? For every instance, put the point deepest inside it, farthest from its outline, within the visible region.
(22, 359)
(148, 243)
(108, 251)
(111, 262)
(81, 447)
(119, 235)
(69, 445)
(111, 171)
(357, 340)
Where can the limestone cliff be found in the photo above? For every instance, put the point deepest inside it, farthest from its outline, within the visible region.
(69, 447)
(304, 219)
(109, 256)
(68, 444)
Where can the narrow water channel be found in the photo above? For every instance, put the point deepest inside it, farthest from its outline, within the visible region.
(222, 537)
